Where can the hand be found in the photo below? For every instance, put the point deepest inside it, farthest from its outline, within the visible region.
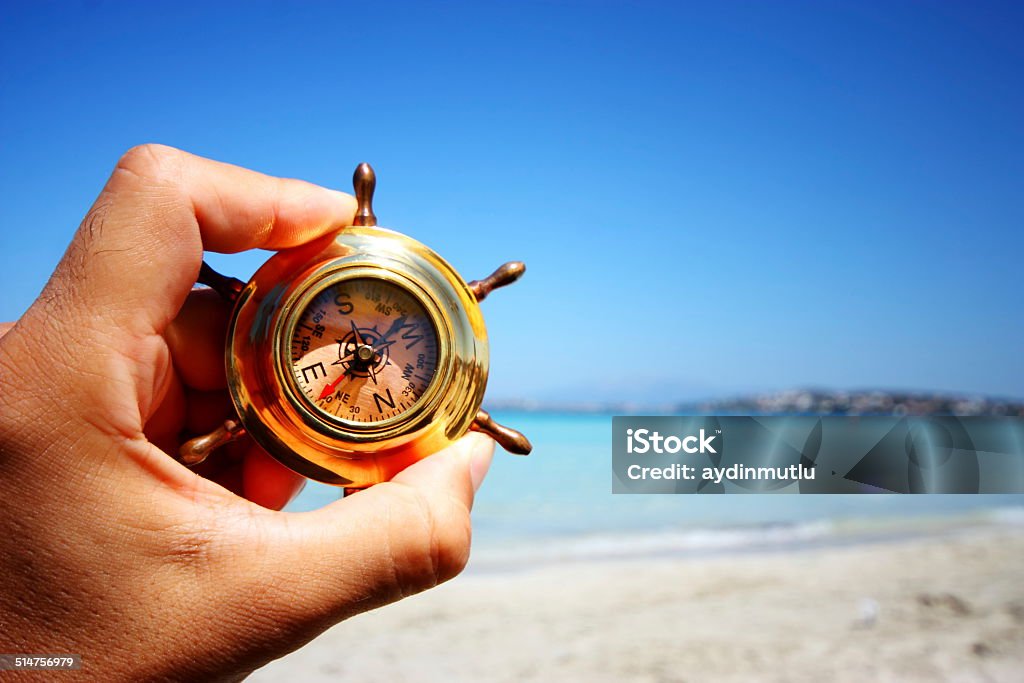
(112, 549)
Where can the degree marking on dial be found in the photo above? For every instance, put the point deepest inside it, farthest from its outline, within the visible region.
(328, 370)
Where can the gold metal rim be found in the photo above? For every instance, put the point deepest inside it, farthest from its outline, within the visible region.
(340, 428)
(353, 455)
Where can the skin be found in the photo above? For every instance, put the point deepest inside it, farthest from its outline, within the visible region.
(112, 549)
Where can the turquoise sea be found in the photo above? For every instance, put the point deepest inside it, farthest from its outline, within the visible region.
(557, 504)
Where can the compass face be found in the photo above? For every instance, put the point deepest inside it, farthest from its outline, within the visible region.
(363, 350)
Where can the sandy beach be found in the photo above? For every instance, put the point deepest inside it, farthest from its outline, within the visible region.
(947, 607)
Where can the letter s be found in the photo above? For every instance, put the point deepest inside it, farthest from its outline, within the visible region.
(640, 435)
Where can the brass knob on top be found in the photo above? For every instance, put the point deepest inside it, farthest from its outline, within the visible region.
(364, 180)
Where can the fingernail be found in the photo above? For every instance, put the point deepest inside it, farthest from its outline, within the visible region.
(481, 452)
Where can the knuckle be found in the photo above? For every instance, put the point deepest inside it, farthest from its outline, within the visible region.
(148, 162)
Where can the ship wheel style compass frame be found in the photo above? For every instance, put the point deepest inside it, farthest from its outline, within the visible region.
(350, 358)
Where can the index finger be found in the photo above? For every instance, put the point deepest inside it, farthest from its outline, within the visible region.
(139, 249)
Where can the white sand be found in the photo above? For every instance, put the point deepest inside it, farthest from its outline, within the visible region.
(949, 609)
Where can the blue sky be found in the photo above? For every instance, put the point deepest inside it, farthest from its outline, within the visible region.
(711, 197)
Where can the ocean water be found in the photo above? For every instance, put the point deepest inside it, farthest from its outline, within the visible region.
(557, 503)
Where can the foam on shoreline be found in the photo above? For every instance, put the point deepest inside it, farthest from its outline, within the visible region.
(515, 555)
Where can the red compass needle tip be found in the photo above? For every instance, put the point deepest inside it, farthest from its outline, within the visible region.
(329, 389)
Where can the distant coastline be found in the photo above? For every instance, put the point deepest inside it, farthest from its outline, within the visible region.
(794, 401)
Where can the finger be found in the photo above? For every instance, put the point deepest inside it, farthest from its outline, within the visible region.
(196, 340)
(384, 543)
(139, 249)
(246, 470)
(206, 410)
(267, 482)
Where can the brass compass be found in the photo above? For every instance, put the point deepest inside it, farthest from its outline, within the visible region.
(352, 357)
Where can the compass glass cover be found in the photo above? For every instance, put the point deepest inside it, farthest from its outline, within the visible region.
(363, 350)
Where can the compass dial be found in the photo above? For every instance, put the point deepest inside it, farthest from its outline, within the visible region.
(363, 350)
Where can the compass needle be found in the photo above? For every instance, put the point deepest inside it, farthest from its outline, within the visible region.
(329, 388)
(362, 351)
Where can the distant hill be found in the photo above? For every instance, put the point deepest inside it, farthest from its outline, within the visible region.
(801, 401)
(820, 402)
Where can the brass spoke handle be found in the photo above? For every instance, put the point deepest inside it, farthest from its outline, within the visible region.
(511, 440)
